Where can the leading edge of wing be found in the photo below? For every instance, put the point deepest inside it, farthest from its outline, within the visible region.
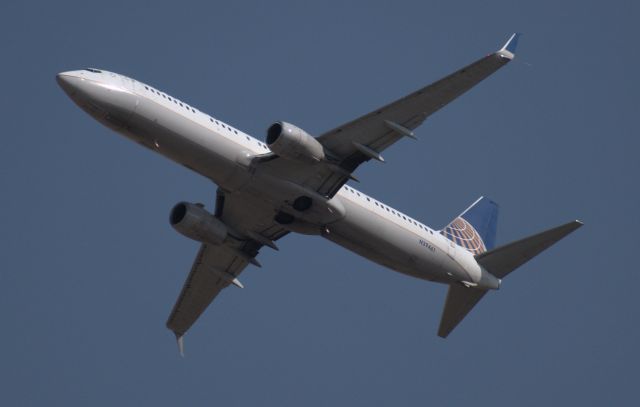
(410, 111)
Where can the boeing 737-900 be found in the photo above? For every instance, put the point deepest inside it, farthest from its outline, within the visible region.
(295, 182)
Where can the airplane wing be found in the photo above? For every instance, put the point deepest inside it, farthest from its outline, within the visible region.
(216, 267)
(365, 138)
(213, 270)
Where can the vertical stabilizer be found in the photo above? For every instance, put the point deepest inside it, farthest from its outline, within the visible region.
(475, 229)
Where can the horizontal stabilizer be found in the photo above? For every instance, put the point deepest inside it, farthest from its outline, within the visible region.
(503, 260)
(460, 300)
(499, 262)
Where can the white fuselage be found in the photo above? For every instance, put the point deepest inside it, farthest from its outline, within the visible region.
(222, 153)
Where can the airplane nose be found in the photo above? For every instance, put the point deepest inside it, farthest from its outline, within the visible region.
(67, 82)
(103, 97)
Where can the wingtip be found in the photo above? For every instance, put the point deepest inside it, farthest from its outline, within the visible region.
(509, 49)
(573, 225)
(576, 224)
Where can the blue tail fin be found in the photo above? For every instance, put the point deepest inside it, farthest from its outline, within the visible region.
(475, 228)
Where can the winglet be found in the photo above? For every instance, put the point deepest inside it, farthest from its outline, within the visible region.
(180, 339)
(509, 49)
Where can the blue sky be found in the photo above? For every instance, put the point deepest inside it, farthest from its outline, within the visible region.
(91, 267)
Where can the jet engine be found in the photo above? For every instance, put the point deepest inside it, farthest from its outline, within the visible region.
(194, 222)
(293, 143)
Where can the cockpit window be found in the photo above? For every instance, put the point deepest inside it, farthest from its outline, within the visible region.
(93, 70)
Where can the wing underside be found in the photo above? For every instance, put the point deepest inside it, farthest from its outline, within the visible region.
(213, 269)
(366, 137)
(216, 267)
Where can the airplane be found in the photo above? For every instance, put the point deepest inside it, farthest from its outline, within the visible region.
(295, 182)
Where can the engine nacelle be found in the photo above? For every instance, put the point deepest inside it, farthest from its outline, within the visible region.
(196, 223)
(293, 143)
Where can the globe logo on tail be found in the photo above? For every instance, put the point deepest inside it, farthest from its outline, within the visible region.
(463, 234)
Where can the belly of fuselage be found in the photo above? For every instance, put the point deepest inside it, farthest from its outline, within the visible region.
(386, 243)
(212, 155)
(184, 141)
